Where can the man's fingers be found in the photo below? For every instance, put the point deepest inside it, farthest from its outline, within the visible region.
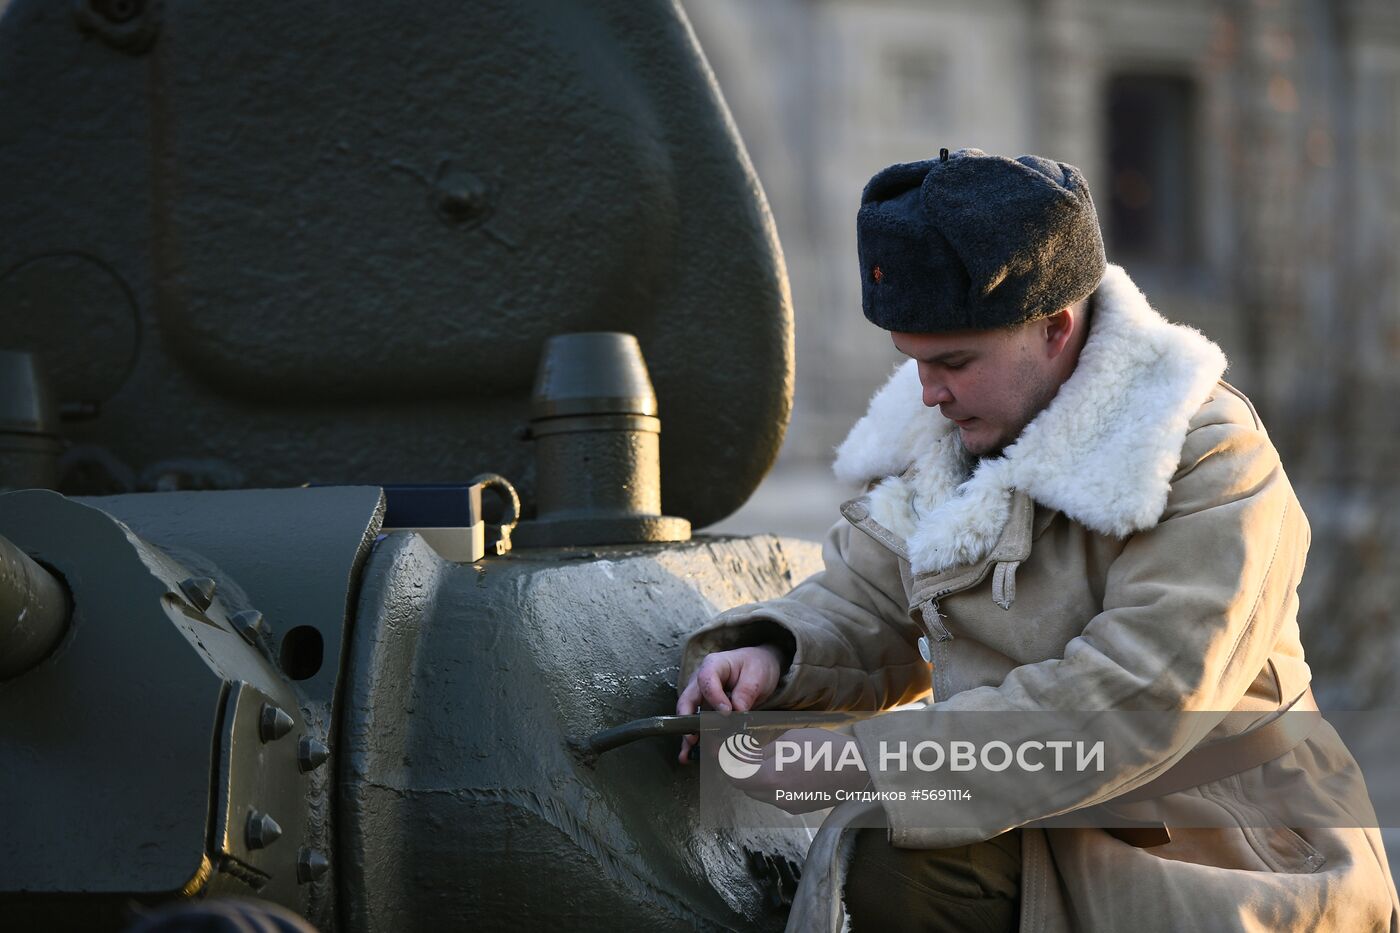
(689, 700)
(750, 688)
(729, 680)
(710, 686)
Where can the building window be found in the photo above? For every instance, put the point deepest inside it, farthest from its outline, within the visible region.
(1151, 135)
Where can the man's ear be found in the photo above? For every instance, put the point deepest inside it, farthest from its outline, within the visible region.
(1058, 329)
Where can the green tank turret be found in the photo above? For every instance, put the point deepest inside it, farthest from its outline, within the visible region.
(364, 369)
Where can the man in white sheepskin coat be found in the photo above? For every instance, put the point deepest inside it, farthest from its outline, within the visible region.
(1066, 509)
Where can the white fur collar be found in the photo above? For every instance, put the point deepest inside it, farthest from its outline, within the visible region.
(1102, 452)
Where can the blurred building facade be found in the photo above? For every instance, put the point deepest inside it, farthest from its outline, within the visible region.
(1245, 161)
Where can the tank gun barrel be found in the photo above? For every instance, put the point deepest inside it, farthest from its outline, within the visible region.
(34, 611)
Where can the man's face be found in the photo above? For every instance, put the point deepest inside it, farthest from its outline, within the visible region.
(992, 383)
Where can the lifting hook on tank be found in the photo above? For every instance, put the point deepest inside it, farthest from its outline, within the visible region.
(512, 501)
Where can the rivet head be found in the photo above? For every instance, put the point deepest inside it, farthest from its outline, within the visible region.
(249, 623)
(311, 753)
(273, 723)
(924, 651)
(311, 864)
(199, 591)
(461, 197)
(263, 830)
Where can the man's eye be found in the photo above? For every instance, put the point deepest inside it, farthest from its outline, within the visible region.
(958, 365)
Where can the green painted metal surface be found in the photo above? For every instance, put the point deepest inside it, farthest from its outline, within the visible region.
(463, 789)
(451, 781)
(111, 745)
(325, 242)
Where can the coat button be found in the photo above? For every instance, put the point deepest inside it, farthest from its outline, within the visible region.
(924, 651)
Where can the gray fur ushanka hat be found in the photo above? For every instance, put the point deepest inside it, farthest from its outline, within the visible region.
(971, 241)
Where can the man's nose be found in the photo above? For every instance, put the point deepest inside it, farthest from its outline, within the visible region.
(935, 394)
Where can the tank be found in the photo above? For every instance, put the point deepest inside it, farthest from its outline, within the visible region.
(364, 370)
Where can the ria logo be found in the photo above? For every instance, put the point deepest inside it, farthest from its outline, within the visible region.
(740, 756)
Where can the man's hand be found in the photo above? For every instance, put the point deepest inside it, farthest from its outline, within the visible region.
(738, 679)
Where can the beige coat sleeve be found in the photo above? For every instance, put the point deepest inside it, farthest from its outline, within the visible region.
(1192, 610)
(846, 630)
